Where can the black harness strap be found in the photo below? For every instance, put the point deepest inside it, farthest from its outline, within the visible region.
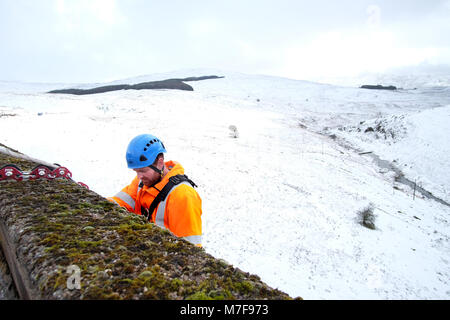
(173, 181)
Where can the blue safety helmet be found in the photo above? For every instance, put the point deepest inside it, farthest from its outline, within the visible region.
(143, 150)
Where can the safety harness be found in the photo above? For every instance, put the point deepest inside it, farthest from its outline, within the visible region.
(173, 181)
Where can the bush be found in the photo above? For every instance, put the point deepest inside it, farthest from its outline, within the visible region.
(366, 217)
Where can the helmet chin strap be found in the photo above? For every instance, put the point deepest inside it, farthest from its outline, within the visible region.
(161, 172)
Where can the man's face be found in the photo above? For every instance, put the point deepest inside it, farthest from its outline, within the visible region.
(147, 175)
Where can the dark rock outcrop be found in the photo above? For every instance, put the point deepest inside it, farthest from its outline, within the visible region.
(198, 78)
(178, 84)
(378, 87)
(165, 84)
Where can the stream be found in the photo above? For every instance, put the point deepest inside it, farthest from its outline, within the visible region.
(401, 178)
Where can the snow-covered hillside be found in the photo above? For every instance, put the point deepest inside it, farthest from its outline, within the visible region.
(420, 76)
(282, 199)
(417, 143)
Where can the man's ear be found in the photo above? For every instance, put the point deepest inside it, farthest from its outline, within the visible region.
(160, 159)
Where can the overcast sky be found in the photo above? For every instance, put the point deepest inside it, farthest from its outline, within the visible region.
(103, 40)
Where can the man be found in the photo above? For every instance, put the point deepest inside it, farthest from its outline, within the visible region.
(160, 191)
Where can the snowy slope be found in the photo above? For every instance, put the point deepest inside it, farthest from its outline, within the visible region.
(416, 142)
(282, 199)
(420, 76)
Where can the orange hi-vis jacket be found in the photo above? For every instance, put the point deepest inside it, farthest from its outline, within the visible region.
(180, 212)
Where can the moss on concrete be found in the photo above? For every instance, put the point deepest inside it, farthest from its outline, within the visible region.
(58, 223)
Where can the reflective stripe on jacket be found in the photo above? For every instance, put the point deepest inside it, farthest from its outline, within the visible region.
(180, 212)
